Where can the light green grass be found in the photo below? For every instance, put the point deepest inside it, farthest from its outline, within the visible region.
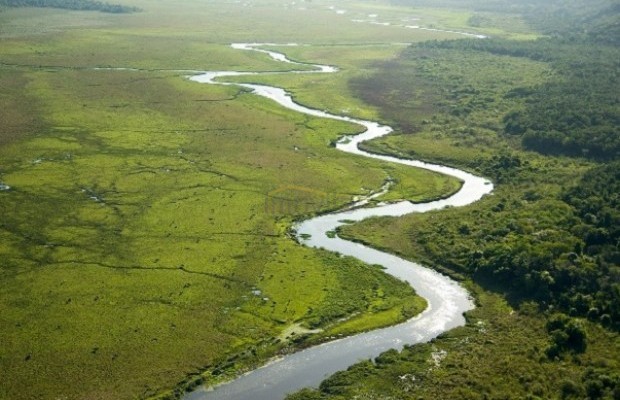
(136, 234)
(159, 213)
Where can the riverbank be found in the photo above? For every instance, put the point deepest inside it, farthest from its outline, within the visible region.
(446, 300)
(135, 225)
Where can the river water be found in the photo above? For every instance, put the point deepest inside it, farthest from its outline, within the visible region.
(447, 300)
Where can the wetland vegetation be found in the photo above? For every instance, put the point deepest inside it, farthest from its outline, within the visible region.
(137, 252)
(137, 249)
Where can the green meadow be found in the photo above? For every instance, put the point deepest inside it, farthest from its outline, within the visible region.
(145, 239)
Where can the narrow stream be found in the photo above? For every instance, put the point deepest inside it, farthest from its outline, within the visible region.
(447, 300)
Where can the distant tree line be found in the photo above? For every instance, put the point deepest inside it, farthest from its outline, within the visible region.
(566, 18)
(577, 114)
(90, 5)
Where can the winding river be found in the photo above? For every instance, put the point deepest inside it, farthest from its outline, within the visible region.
(447, 300)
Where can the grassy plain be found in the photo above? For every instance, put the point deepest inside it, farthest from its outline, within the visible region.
(137, 247)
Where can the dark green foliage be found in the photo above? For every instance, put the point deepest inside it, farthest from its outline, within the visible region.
(559, 248)
(577, 113)
(389, 357)
(568, 258)
(567, 334)
(597, 202)
(338, 383)
(498, 354)
(567, 18)
(599, 384)
(305, 394)
(573, 264)
(503, 167)
(89, 5)
(570, 390)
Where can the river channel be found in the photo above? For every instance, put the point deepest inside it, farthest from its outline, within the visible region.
(447, 300)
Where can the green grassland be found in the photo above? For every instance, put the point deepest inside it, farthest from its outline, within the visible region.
(138, 249)
(135, 231)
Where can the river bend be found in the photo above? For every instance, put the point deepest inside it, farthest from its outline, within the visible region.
(447, 300)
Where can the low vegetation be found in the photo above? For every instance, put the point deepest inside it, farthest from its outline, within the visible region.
(145, 239)
(136, 226)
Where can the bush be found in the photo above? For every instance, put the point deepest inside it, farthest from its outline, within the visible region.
(567, 334)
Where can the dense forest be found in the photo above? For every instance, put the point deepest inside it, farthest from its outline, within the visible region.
(541, 119)
(577, 113)
(571, 261)
(568, 261)
(83, 5)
